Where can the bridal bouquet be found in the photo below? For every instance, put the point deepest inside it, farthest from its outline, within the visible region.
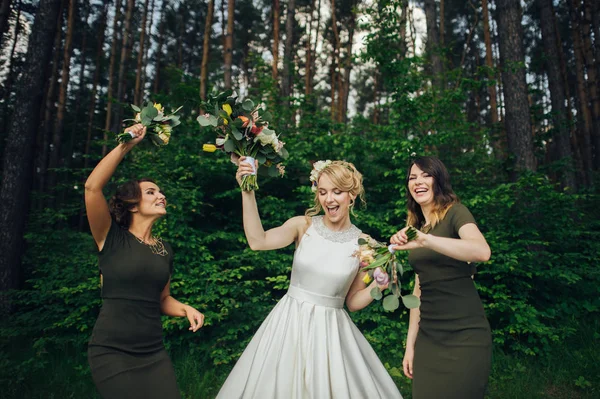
(153, 117)
(242, 128)
(380, 263)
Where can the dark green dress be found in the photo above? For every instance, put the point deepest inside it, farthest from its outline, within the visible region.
(126, 352)
(453, 350)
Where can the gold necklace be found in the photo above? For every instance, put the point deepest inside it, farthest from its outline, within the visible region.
(157, 248)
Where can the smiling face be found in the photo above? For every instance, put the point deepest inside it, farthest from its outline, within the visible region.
(152, 202)
(421, 186)
(334, 201)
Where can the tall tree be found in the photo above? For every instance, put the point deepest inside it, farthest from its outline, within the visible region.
(489, 62)
(557, 94)
(335, 55)
(147, 46)
(4, 16)
(308, 51)
(584, 116)
(345, 90)
(595, 8)
(512, 63)
(159, 46)
(123, 63)
(287, 73)
(206, 49)
(10, 75)
(591, 68)
(229, 43)
(18, 155)
(111, 72)
(57, 135)
(140, 59)
(433, 43)
(313, 51)
(275, 39)
(95, 82)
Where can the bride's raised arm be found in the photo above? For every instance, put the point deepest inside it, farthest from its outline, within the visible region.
(258, 238)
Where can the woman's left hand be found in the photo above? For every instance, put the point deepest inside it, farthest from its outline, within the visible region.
(196, 318)
(401, 243)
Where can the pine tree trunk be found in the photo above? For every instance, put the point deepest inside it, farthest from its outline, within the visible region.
(4, 17)
(595, 7)
(334, 62)
(512, 59)
(97, 73)
(308, 51)
(111, 74)
(83, 62)
(287, 73)
(137, 97)
(147, 46)
(206, 49)
(17, 168)
(489, 62)
(403, 22)
(591, 67)
(433, 43)
(49, 111)
(229, 43)
(557, 95)
(584, 116)
(314, 50)
(123, 64)
(276, 23)
(57, 136)
(581, 176)
(10, 75)
(159, 49)
(343, 115)
(442, 28)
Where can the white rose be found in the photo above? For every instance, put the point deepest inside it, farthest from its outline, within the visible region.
(265, 139)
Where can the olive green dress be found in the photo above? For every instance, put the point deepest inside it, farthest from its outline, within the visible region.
(126, 352)
(453, 350)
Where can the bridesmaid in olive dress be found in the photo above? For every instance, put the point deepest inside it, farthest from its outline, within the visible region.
(126, 353)
(449, 345)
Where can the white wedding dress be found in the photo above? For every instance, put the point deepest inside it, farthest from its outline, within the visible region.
(308, 347)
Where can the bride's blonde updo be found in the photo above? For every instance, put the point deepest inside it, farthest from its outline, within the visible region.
(343, 175)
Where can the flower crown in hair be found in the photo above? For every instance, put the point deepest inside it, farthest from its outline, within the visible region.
(317, 169)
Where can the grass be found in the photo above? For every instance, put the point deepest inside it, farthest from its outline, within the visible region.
(570, 371)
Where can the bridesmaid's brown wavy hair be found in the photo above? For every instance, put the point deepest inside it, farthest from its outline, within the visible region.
(127, 196)
(443, 195)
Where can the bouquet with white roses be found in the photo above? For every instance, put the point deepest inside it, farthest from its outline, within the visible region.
(242, 128)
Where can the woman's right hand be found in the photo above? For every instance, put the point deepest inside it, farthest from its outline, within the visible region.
(139, 132)
(407, 362)
(244, 168)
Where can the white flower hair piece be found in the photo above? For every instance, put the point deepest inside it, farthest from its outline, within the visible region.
(317, 169)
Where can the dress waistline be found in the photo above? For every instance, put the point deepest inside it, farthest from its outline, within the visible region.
(320, 300)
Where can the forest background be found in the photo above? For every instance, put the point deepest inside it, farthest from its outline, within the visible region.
(505, 92)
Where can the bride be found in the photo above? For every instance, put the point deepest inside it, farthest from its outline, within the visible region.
(308, 347)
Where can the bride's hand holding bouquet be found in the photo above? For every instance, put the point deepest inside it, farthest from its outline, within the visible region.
(154, 117)
(243, 131)
(245, 168)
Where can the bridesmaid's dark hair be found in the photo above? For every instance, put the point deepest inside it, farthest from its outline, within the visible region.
(443, 195)
(126, 197)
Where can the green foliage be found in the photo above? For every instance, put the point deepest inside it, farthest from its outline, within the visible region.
(544, 241)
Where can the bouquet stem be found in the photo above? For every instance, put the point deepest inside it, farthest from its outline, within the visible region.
(249, 183)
